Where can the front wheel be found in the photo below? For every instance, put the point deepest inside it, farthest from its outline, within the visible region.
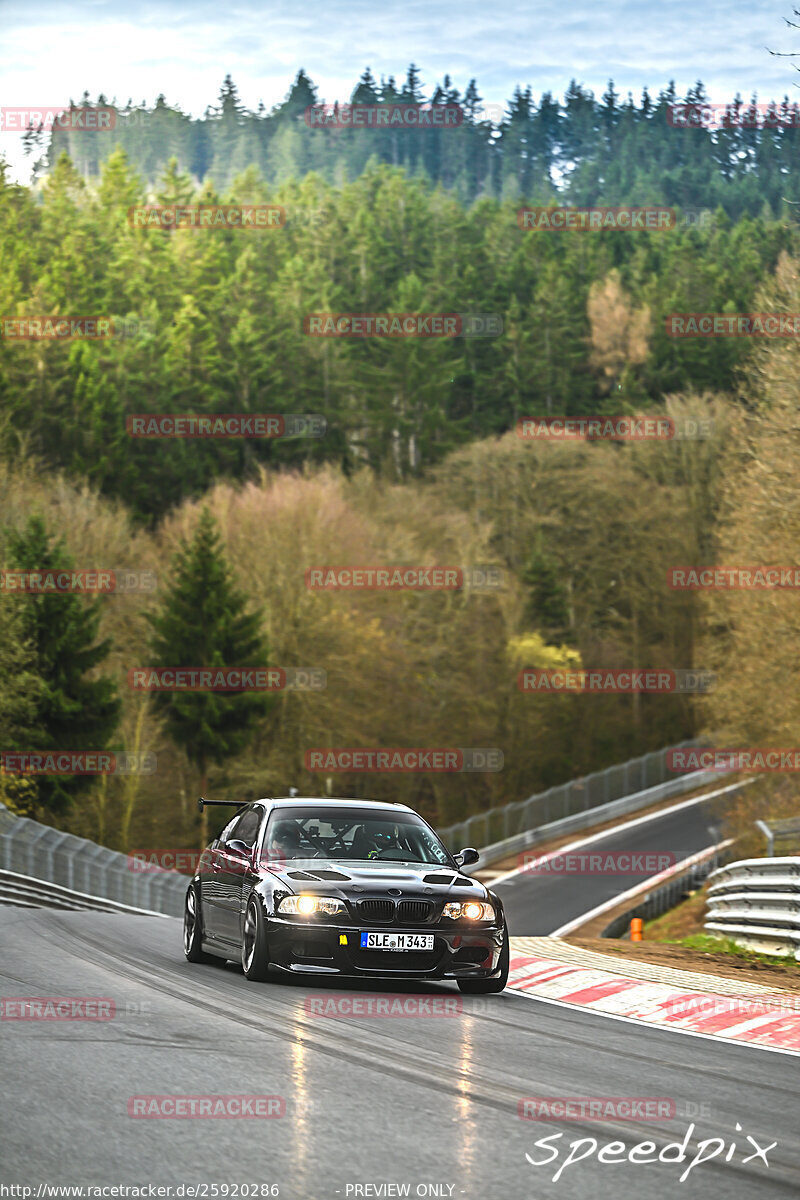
(482, 987)
(255, 957)
(193, 928)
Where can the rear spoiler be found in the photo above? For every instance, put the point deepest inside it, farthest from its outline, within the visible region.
(202, 802)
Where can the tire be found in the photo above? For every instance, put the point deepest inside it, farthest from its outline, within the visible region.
(255, 956)
(482, 987)
(193, 928)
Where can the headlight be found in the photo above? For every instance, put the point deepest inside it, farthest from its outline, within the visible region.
(473, 910)
(309, 906)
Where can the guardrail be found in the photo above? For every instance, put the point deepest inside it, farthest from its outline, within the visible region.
(76, 865)
(24, 891)
(566, 800)
(593, 816)
(756, 903)
(677, 882)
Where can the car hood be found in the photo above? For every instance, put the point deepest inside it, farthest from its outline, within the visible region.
(346, 878)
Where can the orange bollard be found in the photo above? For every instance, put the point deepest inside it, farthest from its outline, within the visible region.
(637, 925)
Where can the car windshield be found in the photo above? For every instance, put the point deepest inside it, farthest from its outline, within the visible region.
(295, 833)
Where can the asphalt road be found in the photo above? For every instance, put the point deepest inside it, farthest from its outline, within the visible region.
(412, 1102)
(540, 901)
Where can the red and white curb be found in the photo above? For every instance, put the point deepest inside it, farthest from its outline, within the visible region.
(771, 1020)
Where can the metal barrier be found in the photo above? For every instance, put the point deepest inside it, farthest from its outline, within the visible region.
(756, 903)
(681, 880)
(783, 836)
(30, 849)
(566, 800)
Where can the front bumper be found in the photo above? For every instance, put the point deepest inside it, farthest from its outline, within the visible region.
(314, 948)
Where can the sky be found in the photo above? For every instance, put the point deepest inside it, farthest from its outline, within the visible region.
(54, 50)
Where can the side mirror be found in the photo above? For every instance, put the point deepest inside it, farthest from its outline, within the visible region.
(467, 856)
(237, 851)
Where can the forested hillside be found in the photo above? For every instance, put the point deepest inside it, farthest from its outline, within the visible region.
(420, 462)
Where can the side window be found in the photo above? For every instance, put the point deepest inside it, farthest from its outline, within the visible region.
(245, 828)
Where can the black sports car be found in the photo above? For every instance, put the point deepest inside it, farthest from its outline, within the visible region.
(343, 887)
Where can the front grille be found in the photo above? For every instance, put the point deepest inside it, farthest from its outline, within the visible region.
(403, 960)
(414, 911)
(376, 910)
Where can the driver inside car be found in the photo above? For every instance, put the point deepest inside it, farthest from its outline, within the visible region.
(284, 842)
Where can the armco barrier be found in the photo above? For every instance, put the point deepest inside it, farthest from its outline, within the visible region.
(678, 882)
(756, 903)
(592, 816)
(37, 851)
(497, 825)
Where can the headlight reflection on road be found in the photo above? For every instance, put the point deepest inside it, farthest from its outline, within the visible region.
(466, 1112)
(301, 1104)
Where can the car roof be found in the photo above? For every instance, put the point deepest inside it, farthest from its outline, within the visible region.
(328, 802)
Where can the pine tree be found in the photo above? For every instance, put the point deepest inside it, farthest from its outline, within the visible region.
(70, 711)
(203, 622)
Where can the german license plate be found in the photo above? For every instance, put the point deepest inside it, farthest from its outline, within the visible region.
(396, 941)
